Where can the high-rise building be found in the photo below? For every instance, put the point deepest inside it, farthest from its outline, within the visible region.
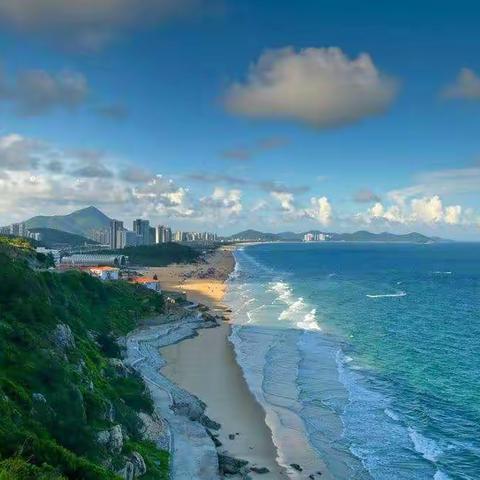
(142, 229)
(116, 235)
(163, 234)
(178, 236)
(152, 235)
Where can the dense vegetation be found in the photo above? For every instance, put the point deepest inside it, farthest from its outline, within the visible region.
(158, 255)
(53, 238)
(24, 249)
(58, 392)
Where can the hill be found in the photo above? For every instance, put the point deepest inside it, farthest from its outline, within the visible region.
(158, 255)
(22, 250)
(255, 236)
(70, 409)
(80, 222)
(56, 238)
(360, 236)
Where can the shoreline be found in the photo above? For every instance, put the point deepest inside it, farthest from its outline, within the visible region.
(187, 359)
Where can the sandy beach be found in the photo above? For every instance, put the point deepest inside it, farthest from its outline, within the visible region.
(205, 366)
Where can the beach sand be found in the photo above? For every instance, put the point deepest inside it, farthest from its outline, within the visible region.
(205, 366)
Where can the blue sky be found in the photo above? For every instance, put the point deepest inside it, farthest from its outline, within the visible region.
(293, 139)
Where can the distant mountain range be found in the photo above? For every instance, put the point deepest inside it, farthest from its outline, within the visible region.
(81, 222)
(360, 236)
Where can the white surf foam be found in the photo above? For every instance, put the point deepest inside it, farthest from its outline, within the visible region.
(387, 295)
(429, 448)
(440, 476)
(391, 414)
(309, 321)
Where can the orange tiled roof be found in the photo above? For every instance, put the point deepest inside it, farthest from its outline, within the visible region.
(103, 269)
(143, 280)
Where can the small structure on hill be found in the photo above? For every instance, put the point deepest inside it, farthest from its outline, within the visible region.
(147, 282)
(105, 273)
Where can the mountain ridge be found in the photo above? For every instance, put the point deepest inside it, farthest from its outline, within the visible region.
(80, 222)
(358, 236)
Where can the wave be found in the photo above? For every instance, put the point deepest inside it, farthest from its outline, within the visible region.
(293, 308)
(309, 321)
(391, 414)
(282, 289)
(429, 448)
(387, 295)
(442, 273)
(440, 476)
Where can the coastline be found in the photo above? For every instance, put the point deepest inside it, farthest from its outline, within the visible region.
(186, 363)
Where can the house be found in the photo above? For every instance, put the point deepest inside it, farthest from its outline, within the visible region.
(105, 273)
(147, 282)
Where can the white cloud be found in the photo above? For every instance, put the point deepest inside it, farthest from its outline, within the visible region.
(89, 24)
(424, 210)
(318, 86)
(321, 210)
(466, 86)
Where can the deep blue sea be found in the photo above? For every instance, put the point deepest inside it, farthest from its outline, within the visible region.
(366, 357)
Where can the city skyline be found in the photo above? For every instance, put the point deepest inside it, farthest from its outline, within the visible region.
(329, 117)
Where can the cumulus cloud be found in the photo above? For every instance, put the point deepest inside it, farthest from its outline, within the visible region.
(318, 86)
(90, 24)
(366, 196)
(35, 92)
(466, 86)
(424, 210)
(320, 210)
(222, 205)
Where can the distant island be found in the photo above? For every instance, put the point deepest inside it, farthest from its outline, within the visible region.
(316, 235)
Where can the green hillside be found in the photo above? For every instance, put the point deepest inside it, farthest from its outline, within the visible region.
(52, 238)
(80, 222)
(158, 255)
(60, 385)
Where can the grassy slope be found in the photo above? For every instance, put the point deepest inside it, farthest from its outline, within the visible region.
(57, 439)
(158, 255)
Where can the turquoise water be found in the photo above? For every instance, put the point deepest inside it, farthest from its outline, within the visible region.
(366, 356)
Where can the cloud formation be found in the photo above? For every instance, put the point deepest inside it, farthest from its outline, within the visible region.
(466, 86)
(90, 24)
(318, 86)
(35, 92)
(424, 210)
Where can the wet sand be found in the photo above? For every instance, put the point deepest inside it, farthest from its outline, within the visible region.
(205, 366)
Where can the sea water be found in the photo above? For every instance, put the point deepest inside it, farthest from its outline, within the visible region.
(364, 356)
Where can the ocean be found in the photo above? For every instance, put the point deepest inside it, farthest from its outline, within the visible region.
(365, 357)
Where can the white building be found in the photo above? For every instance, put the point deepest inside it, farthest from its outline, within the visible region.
(105, 273)
(148, 282)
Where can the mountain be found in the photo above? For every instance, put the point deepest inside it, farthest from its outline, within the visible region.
(255, 236)
(360, 236)
(364, 236)
(80, 222)
(54, 238)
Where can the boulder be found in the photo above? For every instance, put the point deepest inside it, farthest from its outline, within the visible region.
(139, 463)
(62, 338)
(230, 465)
(112, 439)
(260, 470)
(296, 467)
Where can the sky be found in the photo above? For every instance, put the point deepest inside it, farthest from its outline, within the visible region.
(223, 115)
